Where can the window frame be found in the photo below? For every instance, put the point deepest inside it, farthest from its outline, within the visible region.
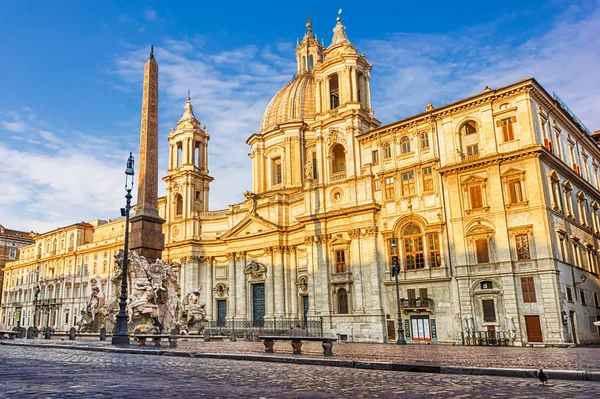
(340, 261)
(507, 128)
(424, 136)
(428, 179)
(408, 183)
(528, 289)
(522, 240)
(405, 145)
(389, 187)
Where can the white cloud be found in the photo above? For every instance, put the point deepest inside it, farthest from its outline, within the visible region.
(150, 14)
(16, 127)
(411, 70)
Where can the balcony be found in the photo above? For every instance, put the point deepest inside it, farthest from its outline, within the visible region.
(418, 304)
(338, 176)
(345, 277)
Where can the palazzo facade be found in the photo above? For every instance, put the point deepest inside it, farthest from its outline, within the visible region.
(491, 204)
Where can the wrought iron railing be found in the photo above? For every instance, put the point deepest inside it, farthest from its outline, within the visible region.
(486, 338)
(275, 326)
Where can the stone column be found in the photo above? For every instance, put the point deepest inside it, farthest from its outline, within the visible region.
(311, 269)
(354, 83)
(355, 267)
(240, 289)
(293, 290)
(278, 268)
(269, 284)
(368, 90)
(231, 279)
(209, 286)
(368, 250)
(319, 105)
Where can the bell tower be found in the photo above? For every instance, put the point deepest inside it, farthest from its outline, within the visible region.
(187, 177)
(309, 52)
(344, 77)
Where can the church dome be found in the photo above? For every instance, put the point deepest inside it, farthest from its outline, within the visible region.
(294, 102)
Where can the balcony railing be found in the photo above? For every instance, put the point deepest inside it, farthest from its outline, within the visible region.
(338, 176)
(417, 304)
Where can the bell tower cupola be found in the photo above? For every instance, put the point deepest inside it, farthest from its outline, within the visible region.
(187, 178)
(309, 52)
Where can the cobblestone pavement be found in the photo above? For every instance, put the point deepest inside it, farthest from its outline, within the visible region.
(582, 358)
(59, 373)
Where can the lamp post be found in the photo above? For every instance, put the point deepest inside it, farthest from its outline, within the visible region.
(396, 272)
(120, 336)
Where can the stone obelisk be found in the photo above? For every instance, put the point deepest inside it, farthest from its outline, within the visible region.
(146, 237)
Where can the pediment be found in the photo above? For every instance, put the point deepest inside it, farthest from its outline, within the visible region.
(473, 179)
(512, 171)
(250, 225)
(338, 240)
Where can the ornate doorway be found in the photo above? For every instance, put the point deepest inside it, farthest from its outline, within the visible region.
(258, 304)
(221, 312)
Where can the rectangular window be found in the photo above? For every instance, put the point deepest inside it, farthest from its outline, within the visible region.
(377, 184)
(475, 197)
(197, 197)
(408, 183)
(387, 151)
(314, 165)
(481, 250)
(13, 253)
(515, 195)
(569, 294)
(582, 294)
(508, 133)
(423, 293)
(389, 187)
(427, 179)
(433, 244)
(489, 311)
(523, 251)
(472, 152)
(597, 300)
(340, 261)
(410, 293)
(276, 171)
(528, 289)
(375, 155)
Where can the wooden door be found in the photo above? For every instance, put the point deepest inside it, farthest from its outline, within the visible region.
(534, 329)
(258, 305)
(221, 312)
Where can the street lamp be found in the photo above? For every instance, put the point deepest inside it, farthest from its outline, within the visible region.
(396, 272)
(120, 336)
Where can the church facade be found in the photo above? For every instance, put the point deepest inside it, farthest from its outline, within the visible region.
(490, 204)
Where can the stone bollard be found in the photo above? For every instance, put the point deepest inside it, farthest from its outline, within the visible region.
(103, 334)
(48, 333)
(31, 333)
(72, 334)
(173, 339)
(206, 335)
(233, 338)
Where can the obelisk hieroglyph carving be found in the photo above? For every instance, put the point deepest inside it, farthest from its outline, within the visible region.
(146, 236)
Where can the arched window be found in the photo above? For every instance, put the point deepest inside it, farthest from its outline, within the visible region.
(178, 205)
(339, 159)
(469, 127)
(179, 155)
(72, 242)
(342, 300)
(311, 62)
(304, 62)
(424, 140)
(405, 145)
(55, 246)
(413, 247)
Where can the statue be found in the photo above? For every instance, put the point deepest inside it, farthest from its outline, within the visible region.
(308, 169)
(92, 311)
(253, 197)
(193, 314)
(152, 302)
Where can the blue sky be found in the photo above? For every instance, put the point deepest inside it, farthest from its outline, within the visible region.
(70, 92)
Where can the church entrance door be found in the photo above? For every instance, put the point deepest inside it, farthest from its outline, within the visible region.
(258, 305)
(304, 310)
(221, 312)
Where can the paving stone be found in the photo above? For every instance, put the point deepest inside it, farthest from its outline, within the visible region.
(56, 373)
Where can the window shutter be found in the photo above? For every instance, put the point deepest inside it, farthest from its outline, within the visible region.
(513, 118)
(411, 293)
(481, 248)
(423, 293)
(498, 123)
